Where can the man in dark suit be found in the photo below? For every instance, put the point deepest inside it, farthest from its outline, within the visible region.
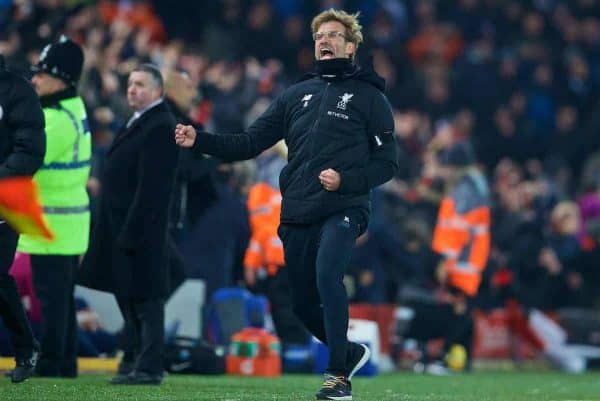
(128, 252)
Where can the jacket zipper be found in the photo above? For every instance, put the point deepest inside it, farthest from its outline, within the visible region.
(313, 129)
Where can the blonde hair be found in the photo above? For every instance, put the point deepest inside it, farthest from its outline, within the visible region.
(350, 22)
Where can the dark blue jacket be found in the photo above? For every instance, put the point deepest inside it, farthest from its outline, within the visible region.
(339, 118)
(22, 137)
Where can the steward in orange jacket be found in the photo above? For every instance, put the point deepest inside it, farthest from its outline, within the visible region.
(265, 249)
(462, 232)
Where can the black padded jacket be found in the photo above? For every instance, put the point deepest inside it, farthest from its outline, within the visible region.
(22, 137)
(336, 117)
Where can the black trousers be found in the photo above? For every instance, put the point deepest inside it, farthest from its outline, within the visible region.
(441, 321)
(143, 335)
(54, 283)
(317, 256)
(11, 308)
(277, 288)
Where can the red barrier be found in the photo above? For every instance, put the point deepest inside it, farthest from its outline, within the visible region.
(383, 315)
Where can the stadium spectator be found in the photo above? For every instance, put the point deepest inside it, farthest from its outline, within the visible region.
(461, 237)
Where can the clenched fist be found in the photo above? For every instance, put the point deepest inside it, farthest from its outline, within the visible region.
(185, 135)
(330, 179)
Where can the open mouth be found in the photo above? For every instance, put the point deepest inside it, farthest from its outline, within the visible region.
(326, 53)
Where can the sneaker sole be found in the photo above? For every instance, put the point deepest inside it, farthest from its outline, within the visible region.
(359, 365)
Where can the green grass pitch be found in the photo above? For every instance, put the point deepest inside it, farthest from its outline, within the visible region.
(505, 386)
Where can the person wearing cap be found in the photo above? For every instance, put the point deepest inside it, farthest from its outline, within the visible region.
(22, 146)
(62, 184)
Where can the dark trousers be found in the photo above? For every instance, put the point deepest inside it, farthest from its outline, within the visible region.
(317, 256)
(11, 308)
(143, 335)
(277, 288)
(433, 321)
(54, 283)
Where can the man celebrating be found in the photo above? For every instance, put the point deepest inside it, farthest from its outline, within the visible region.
(128, 253)
(61, 180)
(338, 127)
(22, 146)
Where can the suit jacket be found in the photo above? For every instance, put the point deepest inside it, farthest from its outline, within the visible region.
(128, 253)
(195, 174)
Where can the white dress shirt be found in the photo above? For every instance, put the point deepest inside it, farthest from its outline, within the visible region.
(138, 114)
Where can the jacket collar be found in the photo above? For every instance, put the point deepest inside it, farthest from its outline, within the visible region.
(155, 103)
(54, 98)
(334, 68)
(155, 108)
(343, 68)
(126, 132)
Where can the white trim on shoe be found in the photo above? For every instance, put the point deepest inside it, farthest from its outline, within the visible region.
(341, 398)
(361, 362)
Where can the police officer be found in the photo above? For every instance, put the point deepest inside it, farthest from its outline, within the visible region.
(22, 145)
(61, 181)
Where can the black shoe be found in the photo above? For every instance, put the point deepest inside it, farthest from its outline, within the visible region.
(123, 372)
(359, 355)
(138, 377)
(125, 368)
(119, 379)
(25, 367)
(334, 388)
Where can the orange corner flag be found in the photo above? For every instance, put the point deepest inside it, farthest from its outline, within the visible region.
(20, 207)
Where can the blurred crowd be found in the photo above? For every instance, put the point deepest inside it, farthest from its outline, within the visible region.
(519, 79)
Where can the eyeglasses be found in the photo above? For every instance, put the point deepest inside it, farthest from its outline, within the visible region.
(330, 35)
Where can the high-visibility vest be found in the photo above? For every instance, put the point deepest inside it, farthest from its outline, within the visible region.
(62, 181)
(462, 232)
(265, 249)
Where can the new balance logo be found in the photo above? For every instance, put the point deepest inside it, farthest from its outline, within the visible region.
(306, 99)
(345, 223)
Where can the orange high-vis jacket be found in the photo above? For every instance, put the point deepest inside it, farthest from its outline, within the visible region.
(265, 248)
(462, 232)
